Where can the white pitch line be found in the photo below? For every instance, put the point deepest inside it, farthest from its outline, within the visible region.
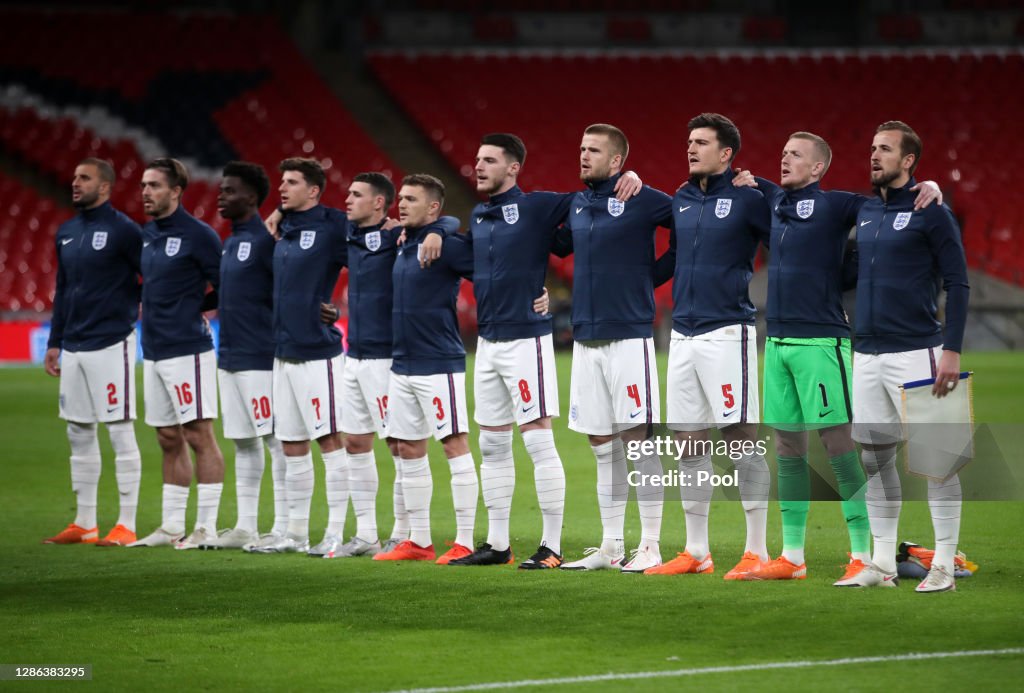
(764, 666)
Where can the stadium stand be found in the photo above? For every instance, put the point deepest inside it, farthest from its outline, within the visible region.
(841, 96)
(89, 93)
(28, 224)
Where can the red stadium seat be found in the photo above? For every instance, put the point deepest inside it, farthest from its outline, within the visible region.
(540, 99)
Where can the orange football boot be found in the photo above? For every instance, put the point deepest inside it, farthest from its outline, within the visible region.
(682, 564)
(118, 536)
(73, 534)
(749, 562)
(456, 551)
(407, 551)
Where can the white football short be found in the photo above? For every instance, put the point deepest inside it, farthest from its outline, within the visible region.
(99, 386)
(246, 402)
(180, 389)
(614, 386)
(712, 379)
(424, 406)
(307, 401)
(365, 396)
(514, 381)
(877, 401)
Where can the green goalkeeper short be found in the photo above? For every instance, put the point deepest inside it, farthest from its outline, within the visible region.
(807, 382)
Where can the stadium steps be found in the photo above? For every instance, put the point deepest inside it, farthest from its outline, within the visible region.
(383, 119)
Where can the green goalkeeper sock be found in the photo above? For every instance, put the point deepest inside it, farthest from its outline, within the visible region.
(852, 487)
(794, 500)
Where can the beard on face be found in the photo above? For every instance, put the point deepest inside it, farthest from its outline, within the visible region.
(86, 200)
(882, 179)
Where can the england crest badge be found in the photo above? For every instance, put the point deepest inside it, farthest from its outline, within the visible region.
(172, 247)
(805, 208)
(244, 248)
(306, 239)
(373, 241)
(616, 207)
(99, 240)
(901, 221)
(723, 207)
(511, 213)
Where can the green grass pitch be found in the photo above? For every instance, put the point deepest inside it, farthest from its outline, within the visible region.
(154, 619)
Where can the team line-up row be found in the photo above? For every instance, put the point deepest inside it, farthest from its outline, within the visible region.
(284, 380)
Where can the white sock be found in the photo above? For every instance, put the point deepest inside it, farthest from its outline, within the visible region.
(86, 465)
(299, 480)
(128, 465)
(418, 487)
(278, 475)
(465, 494)
(884, 499)
(498, 482)
(336, 483)
(175, 502)
(207, 505)
(400, 530)
(249, 463)
(611, 491)
(944, 501)
(363, 482)
(549, 478)
(696, 500)
(650, 499)
(755, 482)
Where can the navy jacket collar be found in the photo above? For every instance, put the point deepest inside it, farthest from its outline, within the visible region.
(804, 193)
(172, 220)
(416, 234)
(506, 196)
(306, 216)
(253, 225)
(604, 187)
(360, 230)
(898, 195)
(97, 212)
(716, 182)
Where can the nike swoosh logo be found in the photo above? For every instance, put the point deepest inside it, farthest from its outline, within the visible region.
(112, 409)
(440, 426)
(66, 241)
(824, 414)
(479, 220)
(637, 413)
(261, 424)
(683, 209)
(865, 222)
(145, 244)
(727, 414)
(319, 426)
(185, 410)
(579, 209)
(526, 409)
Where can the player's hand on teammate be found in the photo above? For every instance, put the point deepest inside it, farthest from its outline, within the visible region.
(542, 303)
(744, 179)
(272, 223)
(430, 249)
(629, 185)
(329, 313)
(947, 374)
(392, 223)
(928, 192)
(51, 362)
